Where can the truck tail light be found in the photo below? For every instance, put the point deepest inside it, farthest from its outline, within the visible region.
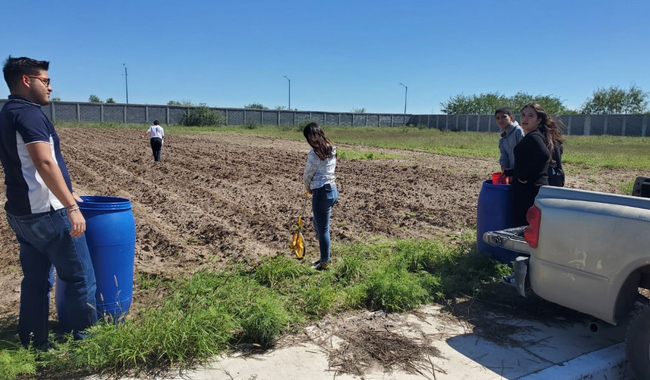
(531, 233)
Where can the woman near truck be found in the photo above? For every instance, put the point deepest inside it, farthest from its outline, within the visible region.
(532, 157)
(319, 180)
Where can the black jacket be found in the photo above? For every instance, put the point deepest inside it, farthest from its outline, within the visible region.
(531, 161)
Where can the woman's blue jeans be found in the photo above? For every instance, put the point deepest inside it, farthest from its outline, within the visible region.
(45, 242)
(323, 199)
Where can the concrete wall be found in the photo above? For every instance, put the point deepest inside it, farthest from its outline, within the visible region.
(617, 125)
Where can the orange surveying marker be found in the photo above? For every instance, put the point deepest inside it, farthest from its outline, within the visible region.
(297, 244)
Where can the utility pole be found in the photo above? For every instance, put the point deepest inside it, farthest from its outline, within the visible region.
(289, 92)
(126, 79)
(406, 92)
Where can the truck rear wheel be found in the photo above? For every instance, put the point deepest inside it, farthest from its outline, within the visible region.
(637, 343)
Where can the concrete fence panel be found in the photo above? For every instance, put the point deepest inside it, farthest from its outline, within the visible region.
(157, 113)
(617, 125)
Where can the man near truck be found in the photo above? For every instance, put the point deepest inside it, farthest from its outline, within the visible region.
(41, 207)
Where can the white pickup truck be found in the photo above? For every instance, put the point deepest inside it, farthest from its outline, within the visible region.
(590, 252)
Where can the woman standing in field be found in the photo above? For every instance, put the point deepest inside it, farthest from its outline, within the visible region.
(532, 157)
(319, 178)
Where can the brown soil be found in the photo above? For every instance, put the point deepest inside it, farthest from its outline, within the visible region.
(217, 197)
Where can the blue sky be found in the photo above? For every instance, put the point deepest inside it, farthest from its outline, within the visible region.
(339, 55)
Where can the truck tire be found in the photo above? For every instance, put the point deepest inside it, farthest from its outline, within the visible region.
(637, 343)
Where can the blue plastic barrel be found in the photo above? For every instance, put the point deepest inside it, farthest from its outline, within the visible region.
(110, 233)
(494, 212)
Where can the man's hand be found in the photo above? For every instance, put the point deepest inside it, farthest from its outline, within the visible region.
(78, 223)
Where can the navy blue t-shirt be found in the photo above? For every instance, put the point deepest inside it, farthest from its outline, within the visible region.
(22, 123)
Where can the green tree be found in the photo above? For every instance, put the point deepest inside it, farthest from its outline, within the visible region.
(181, 103)
(474, 104)
(280, 108)
(110, 100)
(202, 116)
(55, 99)
(485, 104)
(359, 110)
(257, 106)
(551, 104)
(615, 100)
(94, 99)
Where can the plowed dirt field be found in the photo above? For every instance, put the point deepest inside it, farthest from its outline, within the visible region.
(218, 196)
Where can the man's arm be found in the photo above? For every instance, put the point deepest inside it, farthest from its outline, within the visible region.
(48, 169)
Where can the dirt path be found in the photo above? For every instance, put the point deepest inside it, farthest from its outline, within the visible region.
(218, 196)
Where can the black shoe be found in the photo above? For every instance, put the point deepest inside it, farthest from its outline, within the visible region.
(46, 346)
(321, 267)
(314, 263)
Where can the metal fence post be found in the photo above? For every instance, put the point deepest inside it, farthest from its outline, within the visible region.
(339, 119)
(226, 117)
(489, 123)
(244, 116)
(568, 128)
(606, 122)
(167, 114)
(587, 125)
(52, 113)
(146, 114)
(624, 125)
(125, 114)
(101, 113)
(78, 112)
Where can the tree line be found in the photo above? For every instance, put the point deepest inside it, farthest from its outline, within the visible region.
(612, 100)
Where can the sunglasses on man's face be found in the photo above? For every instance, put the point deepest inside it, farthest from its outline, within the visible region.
(44, 80)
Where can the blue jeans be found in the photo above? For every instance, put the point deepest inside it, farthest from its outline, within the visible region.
(45, 242)
(323, 199)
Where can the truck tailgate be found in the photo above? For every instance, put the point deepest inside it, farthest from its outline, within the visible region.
(510, 238)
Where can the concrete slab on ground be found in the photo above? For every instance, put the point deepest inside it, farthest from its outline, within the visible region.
(517, 349)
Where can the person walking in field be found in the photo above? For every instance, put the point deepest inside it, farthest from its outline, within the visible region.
(41, 207)
(319, 181)
(157, 138)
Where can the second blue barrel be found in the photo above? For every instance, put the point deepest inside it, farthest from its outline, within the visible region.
(494, 212)
(110, 233)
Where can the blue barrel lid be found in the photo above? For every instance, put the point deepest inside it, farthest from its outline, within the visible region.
(101, 202)
(488, 183)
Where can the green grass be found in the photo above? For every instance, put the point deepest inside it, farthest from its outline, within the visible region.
(208, 313)
(350, 155)
(582, 153)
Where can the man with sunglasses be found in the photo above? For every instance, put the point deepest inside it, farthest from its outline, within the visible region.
(41, 207)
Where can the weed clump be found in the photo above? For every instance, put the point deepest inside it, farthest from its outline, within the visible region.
(264, 320)
(202, 116)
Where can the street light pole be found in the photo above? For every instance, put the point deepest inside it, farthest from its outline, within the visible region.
(126, 79)
(289, 92)
(406, 92)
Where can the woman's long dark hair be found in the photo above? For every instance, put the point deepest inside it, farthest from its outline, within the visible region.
(316, 138)
(551, 128)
